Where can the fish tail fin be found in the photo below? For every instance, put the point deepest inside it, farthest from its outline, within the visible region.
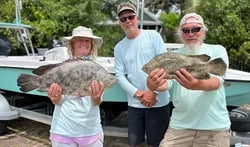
(217, 67)
(28, 82)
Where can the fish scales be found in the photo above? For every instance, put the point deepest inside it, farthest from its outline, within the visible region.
(198, 65)
(74, 76)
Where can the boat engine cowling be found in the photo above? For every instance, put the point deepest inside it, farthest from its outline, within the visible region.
(6, 113)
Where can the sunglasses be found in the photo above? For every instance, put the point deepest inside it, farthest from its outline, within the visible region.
(124, 19)
(193, 30)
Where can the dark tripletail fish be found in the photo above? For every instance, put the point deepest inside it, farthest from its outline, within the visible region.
(198, 65)
(74, 75)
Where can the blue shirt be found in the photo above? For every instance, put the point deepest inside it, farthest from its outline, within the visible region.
(198, 109)
(76, 117)
(130, 56)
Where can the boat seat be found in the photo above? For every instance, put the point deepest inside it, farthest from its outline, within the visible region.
(57, 54)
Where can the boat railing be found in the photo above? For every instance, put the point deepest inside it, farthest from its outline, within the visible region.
(21, 29)
(173, 46)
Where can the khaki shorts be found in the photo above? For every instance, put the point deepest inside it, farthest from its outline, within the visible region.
(195, 138)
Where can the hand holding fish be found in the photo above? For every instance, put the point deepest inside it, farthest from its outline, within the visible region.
(96, 92)
(157, 80)
(55, 93)
(188, 81)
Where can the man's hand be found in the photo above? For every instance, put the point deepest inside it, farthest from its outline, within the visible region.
(156, 79)
(139, 94)
(147, 97)
(188, 81)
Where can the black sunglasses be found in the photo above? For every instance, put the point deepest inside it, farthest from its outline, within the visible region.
(130, 17)
(193, 30)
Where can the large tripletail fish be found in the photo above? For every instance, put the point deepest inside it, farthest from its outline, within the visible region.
(198, 65)
(74, 75)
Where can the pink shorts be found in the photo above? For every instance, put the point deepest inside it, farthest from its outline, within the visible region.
(64, 141)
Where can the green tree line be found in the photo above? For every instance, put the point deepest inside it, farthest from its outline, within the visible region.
(228, 22)
(53, 19)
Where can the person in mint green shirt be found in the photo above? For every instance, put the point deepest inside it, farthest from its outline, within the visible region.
(200, 117)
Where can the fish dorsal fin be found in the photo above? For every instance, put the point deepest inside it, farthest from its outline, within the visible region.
(43, 69)
(202, 57)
